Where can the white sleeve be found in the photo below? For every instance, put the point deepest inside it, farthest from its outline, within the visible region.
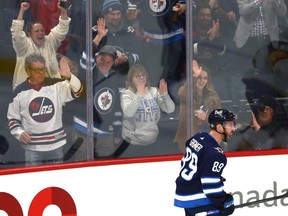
(75, 83)
(14, 119)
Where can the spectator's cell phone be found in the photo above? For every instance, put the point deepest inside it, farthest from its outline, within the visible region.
(65, 4)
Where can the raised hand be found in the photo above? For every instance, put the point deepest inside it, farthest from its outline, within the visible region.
(214, 30)
(196, 69)
(255, 123)
(63, 11)
(121, 59)
(162, 87)
(25, 6)
(64, 68)
(102, 31)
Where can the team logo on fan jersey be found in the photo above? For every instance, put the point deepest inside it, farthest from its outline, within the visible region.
(104, 100)
(41, 109)
(158, 7)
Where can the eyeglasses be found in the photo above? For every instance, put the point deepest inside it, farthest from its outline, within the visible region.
(39, 70)
(139, 76)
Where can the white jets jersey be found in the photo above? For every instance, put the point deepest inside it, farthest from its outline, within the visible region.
(40, 113)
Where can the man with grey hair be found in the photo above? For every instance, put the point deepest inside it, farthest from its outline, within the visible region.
(35, 113)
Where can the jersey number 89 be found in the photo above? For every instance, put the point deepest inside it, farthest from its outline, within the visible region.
(217, 167)
(189, 165)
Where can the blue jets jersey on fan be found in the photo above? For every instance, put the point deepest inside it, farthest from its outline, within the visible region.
(199, 182)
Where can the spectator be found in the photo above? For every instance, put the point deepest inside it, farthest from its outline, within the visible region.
(257, 27)
(267, 130)
(227, 20)
(231, 10)
(217, 52)
(107, 83)
(47, 13)
(205, 99)
(142, 106)
(118, 34)
(209, 44)
(263, 79)
(35, 40)
(161, 33)
(35, 114)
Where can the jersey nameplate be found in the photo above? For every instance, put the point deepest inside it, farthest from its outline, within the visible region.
(195, 145)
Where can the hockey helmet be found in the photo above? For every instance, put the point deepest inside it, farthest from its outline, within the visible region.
(220, 116)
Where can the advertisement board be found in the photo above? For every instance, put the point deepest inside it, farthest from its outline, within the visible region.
(137, 188)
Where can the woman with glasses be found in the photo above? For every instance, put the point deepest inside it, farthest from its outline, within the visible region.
(142, 106)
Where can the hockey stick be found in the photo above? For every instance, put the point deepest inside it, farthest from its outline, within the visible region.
(246, 204)
(76, 145)
(72, 150)
(4, 145)
(262, 200)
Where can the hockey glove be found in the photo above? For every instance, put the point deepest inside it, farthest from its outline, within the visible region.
(228, 206)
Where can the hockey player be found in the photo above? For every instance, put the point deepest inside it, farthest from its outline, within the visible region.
(199, 186)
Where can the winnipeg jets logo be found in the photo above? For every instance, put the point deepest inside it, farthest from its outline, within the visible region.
(158, 7)
(41, 109)
(219, 112)
(219, 150)
(104, 100)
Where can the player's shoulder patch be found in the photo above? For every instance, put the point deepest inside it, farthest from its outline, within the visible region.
(194, 144)
(219, 149)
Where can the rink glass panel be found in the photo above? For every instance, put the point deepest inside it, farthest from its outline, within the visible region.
(236, 86)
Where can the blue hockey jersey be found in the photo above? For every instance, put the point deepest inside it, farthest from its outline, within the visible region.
(199, 182)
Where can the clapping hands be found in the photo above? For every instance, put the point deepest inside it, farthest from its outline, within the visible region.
(214, 30)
